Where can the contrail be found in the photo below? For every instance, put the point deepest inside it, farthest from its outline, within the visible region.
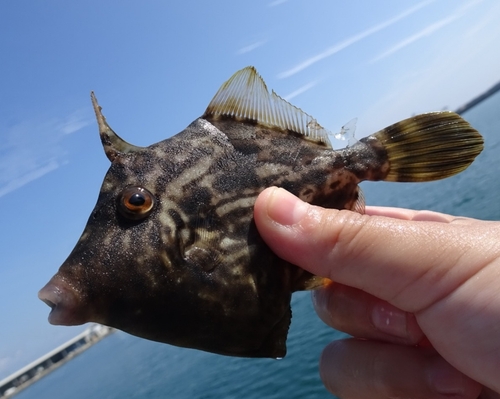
(34, 174)
(460, 12)
(424, 32)
(276, 3)
(251, 47)
(346, 43)
(300, 90)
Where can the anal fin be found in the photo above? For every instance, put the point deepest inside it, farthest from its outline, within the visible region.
(307, 281)
(359, 205)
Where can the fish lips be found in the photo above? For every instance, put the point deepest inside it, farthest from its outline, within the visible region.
(64, 302)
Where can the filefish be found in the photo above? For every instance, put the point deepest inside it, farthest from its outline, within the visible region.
(171, 253)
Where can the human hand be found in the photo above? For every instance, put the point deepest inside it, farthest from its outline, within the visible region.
(421, 288)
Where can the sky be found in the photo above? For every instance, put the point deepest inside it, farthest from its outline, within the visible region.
(155, 66)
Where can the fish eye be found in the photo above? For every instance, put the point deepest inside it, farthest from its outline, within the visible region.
(135, 203)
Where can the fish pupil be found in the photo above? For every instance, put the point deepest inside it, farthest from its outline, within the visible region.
(137, 199)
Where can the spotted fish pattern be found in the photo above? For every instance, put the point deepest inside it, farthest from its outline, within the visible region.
(170, 252)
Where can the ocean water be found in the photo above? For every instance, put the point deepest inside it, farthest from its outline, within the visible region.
(122, 366)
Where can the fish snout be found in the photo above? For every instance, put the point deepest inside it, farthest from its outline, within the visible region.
(64, 302)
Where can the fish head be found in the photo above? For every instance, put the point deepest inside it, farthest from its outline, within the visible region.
(150, 264)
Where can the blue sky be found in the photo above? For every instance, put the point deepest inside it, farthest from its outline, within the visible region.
(156, 65)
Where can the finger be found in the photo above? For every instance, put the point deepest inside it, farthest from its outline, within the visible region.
(368, 251)
(489, 394)
(408, 214)
(357, 369)
(445, 273)
(362, 315)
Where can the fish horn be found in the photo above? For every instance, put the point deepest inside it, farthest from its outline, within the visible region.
(113, 144)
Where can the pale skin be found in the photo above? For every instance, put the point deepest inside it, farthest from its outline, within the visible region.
(419, 291)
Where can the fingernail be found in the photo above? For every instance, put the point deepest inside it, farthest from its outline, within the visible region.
(388, 319)
(445, 379)
(285, 208)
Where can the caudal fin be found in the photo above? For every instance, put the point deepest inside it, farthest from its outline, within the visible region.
(429, 147)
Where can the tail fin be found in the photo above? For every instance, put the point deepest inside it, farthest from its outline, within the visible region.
(429, 147)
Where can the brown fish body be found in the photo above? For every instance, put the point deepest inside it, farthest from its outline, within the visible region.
(170, 252)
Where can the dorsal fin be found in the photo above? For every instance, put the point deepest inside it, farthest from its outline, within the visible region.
(245, 97)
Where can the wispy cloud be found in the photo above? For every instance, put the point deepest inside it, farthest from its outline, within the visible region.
(300, 90)
(73, 122)
(276, 3)
(251, 47)
(29, 176)
(413, 38)
(428, 30)
(350, 41)
(490, 17)
(447, 81)
(32, 149)
(470, 4)
(4, 362)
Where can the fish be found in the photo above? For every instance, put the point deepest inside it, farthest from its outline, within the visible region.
(171, 253)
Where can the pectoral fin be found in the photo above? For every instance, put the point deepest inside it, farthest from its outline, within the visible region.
(203, 258)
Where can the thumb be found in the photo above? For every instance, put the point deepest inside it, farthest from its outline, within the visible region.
(446, 273)
(404, 262)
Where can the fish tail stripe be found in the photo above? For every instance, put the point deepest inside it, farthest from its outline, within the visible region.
(245, 96)
(429, 147)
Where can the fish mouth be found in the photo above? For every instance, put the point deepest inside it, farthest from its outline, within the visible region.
(64, 303)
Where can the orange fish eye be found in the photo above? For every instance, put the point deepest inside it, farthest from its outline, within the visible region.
(136, 203)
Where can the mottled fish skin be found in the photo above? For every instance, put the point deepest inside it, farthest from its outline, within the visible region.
(170, 252)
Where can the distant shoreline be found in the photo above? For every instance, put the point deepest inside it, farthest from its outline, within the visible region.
(475, 101)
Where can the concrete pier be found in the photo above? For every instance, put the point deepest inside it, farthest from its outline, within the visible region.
(35, 370)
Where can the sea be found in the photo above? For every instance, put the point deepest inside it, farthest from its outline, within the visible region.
(122, 366)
